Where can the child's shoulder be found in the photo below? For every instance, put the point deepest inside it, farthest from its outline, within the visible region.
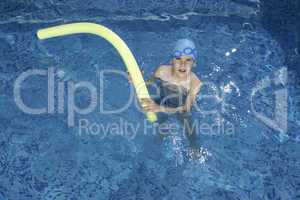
(164, 67)
(162, 70)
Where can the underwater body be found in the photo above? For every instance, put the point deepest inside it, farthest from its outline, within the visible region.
(246, 114)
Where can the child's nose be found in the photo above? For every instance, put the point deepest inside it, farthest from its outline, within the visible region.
(183, 62)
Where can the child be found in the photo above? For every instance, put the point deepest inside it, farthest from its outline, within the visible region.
(180, 87)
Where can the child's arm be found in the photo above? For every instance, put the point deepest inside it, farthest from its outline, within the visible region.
(195, 88)
(157, 74)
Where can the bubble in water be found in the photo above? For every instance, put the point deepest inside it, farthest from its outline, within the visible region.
(199, 155)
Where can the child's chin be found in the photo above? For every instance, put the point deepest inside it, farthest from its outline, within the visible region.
(182, 74)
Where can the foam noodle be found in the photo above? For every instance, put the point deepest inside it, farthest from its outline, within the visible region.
(116, 41)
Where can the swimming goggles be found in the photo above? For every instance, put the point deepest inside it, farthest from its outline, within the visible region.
(186, 52)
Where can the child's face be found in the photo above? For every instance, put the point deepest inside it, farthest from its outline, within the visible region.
(183, 66)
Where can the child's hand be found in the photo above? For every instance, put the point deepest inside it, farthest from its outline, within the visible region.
(150, 106)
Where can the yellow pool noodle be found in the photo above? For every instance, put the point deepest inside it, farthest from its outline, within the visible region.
(116, 41)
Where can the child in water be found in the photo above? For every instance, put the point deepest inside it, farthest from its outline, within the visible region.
(179, 87)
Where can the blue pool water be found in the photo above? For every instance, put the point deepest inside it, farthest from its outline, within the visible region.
(248, 85)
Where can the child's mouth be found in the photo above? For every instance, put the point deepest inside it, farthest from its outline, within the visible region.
(182, 70)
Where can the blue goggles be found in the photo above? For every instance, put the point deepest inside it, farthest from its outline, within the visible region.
(186, 52)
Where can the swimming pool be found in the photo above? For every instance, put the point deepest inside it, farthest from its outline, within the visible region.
(247, 117)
